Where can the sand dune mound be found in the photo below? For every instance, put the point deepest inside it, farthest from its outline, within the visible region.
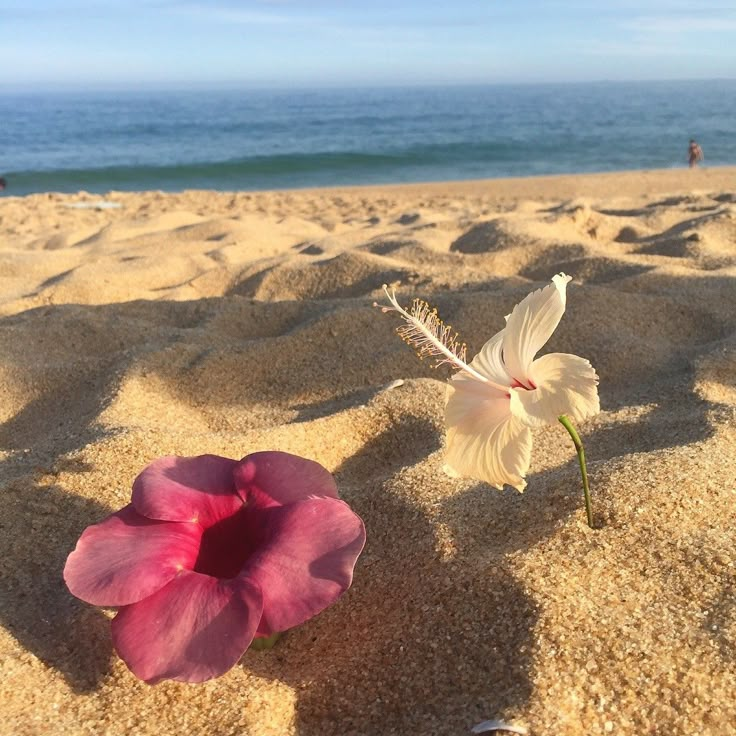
(393, 246)
(629, 234)
(685, 246)
(128, 229)
(230, 323)
(595, 270)
(428, 256)
(714, 377)
(485, 237)
(344, 276)
(706, 241)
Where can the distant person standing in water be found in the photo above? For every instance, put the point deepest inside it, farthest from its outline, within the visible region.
(3, 183)
(694, 153)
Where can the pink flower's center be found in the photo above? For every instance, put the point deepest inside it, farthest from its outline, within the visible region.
(519, 384)
(225, 546)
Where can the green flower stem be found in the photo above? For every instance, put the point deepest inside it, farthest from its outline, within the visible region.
(567, 424)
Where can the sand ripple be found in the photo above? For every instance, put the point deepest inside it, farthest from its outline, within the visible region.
(230, 323)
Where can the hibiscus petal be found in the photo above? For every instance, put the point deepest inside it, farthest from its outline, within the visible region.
(530, 325)
(194, 629)
(127, 557)
(266, 479)
(187, 489)
(484, 440)
(489, 361)
(306, 560)
(566, 384)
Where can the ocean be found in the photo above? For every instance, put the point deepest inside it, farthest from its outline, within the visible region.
(258, 139)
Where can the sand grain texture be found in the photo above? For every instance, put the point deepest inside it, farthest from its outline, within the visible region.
(230, 323)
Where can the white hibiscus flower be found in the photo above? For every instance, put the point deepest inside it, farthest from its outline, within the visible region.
(495, 400)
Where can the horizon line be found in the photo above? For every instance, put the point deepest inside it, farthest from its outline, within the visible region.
(234, 85)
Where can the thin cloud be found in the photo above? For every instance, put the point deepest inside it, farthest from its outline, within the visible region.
(681, 24)
(239, 16)
(642, 48)
(652, 7)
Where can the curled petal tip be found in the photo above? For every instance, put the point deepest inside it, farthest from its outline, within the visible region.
(561, 280)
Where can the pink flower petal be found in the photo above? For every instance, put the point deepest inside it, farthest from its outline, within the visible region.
(266, 479)
(127, 557)
(306, 560)
(194, 629)
(187, 489)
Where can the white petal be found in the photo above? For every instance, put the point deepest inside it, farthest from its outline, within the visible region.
(531, 324)
(565, 384)
(489, 361)
(484, 440)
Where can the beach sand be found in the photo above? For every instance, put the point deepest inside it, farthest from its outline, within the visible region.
(224, 323)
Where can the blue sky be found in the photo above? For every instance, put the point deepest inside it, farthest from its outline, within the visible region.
(287, 43)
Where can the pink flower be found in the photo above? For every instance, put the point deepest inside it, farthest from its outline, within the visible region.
(212, 552)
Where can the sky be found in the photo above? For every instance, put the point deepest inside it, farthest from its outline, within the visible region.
(324, 43)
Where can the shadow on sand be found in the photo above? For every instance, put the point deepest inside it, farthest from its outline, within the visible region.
(407, 632)
(40, 526)
(392, 629)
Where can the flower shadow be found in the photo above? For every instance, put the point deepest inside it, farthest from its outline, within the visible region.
(422, 642)
(660, 429)
(40, 525)
(483, 521)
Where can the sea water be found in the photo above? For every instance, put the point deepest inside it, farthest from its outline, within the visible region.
(259, 139)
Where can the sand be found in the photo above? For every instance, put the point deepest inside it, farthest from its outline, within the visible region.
(229, 323)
